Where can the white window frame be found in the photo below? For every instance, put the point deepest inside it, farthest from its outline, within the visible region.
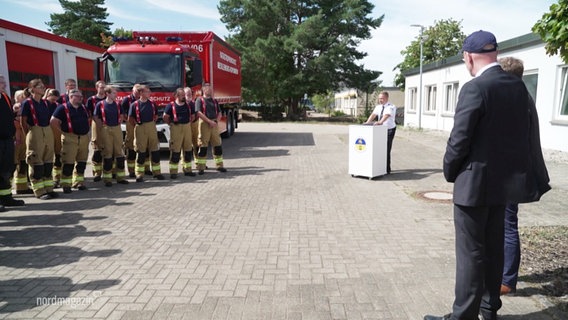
(451, 91)
(562, 95)
(431, 93)
(412, 97)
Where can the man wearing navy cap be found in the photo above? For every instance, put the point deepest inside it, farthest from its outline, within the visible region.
(487, 159)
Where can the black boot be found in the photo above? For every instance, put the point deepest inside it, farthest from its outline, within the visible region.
(9, 201)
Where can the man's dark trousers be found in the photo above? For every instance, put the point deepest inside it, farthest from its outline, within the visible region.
(478, 229)
(390, 138)
(512, 246)
(6, 162)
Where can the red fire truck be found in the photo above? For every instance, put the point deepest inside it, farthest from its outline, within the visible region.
(168, 60)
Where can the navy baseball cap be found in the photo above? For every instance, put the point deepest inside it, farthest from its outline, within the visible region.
(480, 42)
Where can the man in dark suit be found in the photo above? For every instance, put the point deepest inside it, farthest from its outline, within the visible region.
(488, 160)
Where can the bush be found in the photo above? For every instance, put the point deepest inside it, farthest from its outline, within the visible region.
(338, 113)
(271, 113)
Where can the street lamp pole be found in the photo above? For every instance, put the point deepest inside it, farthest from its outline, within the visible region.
(421, 63)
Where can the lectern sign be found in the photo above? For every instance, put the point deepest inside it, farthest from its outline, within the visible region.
(360, 145)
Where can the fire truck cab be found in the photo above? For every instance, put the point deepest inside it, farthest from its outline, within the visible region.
(165, 61)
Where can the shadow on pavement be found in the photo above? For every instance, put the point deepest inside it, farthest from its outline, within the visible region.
(76, 205)
(247, 152)
(414, 174)
(238, 171)
(271, 139)
(554, 312)
(45, 236)
(46, 220)
(48, 257)
(26, 293)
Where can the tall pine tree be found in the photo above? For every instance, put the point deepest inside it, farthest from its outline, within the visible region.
(82, 20)
(293, 47)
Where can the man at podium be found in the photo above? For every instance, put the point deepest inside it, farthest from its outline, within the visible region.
(385, 114)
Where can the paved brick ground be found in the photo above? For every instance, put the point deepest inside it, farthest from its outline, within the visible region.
(285, 234)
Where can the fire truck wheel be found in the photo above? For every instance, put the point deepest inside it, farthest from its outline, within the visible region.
(231, 126)
(227, 133)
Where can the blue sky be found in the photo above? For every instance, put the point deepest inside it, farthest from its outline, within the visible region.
(505, 18)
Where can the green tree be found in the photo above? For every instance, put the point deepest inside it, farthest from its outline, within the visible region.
(553, 29)
(293, 47)
(323, 101)
(442, 40)
(82, 20)
(107, 41)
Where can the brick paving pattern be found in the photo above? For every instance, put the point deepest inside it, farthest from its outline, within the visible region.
(285, 234)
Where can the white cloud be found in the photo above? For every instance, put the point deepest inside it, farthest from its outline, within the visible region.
(117, 14)
(506, 19)
(50, 6)
(188, 7)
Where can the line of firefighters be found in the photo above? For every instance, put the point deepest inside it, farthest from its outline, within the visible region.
(54, 132)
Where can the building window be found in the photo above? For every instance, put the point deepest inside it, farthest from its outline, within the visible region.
(563, 110)
(431, 98)
(412, 99)
(531, 81)
(450, 97)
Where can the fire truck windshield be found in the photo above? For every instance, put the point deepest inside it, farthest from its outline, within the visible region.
(158, 70)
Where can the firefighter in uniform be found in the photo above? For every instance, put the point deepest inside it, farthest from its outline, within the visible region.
(108, 116)
(143, 115)
(50, 97)
(21, 172)
(207, 109)
(129, 137)
(70, 84)
(194, 120)
(73, 121)
(7, 132)
(39, 141)
(178, 116)
(97, 158)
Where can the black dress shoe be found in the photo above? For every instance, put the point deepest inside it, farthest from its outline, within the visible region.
(444, 317)
(8, 201)
(487, 315)
(46, 196)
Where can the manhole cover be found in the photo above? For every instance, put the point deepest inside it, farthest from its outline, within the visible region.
(441, 196)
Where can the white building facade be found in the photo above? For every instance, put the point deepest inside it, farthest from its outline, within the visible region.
(546, 78)
(27, 53)
(347, 101)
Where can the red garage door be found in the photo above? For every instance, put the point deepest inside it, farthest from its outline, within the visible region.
(85, 77)
(27, 63)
